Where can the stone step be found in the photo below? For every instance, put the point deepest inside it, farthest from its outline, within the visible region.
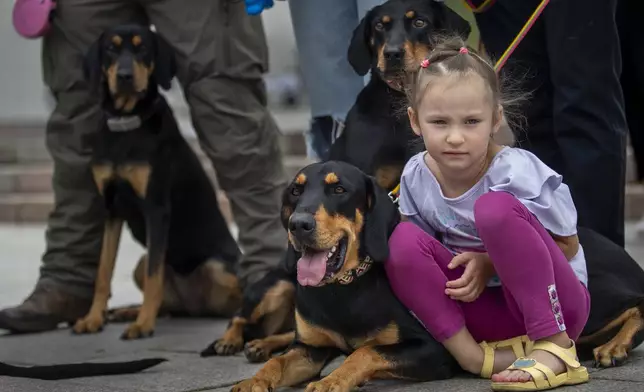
(35, 207)
(36, 177)
(32, 149)
(26, 142)
(26, 195)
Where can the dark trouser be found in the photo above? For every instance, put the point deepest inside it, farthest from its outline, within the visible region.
(631, 33)
(221, 54)
(570, 61)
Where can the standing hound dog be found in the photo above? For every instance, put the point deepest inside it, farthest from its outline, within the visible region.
(150, 178)
(339, 221)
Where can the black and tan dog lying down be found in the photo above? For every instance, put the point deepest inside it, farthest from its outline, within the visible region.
(338, 221)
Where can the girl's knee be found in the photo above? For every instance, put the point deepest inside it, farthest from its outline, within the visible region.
(407, 245)
(493, 209)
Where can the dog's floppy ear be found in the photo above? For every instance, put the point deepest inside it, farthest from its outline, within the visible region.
(165, 66)
(450, 21)
(92, 65)
(381, 217)
(360, 47)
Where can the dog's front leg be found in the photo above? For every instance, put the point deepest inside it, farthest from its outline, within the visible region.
(362, 365)
(300, 363)
(94, 320)
(153, 189)
(157, 226)
(417, 360)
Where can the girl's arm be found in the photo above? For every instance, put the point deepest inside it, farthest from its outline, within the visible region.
(569, 245)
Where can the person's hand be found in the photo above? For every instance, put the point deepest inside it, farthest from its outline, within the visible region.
(478, 270)
(255, 7)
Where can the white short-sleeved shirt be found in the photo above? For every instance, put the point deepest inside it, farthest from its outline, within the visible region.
(512, 170)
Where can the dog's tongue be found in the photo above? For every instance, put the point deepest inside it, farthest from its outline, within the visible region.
(311, 269)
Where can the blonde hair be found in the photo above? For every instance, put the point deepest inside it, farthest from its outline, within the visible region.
(451, 56)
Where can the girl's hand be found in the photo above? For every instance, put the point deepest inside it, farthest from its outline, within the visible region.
(478, 270)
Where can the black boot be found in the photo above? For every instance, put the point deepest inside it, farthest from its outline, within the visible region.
(43, 310)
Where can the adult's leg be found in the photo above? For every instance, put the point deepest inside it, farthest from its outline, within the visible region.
(588, 109)
(528, 69)
(222, 54)
(331, 82)
(75, 226)
(632, 78)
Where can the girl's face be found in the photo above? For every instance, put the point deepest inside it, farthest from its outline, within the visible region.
(456, 119)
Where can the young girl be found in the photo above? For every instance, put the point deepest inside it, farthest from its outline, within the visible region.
(487, 257)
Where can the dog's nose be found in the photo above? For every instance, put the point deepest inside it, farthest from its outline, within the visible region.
(301, 224)
(124, 76)
(394, 54)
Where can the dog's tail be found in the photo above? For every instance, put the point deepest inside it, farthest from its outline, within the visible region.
(85, 369)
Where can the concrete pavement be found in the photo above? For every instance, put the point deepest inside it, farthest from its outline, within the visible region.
(180, 340)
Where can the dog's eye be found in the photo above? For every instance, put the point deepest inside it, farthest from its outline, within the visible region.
(379, 26)
(338, 189)
(296, 191)
(419, 23)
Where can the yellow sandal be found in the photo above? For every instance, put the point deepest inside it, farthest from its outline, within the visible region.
(543, 377)
(521, 345)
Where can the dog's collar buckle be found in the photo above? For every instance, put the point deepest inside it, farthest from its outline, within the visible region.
(124, 124)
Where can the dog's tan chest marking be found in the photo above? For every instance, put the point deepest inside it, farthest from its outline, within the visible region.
(137, 175)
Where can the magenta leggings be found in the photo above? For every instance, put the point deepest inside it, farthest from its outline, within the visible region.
(540, 294)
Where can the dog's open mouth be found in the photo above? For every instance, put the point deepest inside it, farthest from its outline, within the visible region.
(394, 79)
(316, 265)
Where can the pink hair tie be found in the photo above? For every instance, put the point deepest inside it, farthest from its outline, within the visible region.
(424, 63)
(463, 50)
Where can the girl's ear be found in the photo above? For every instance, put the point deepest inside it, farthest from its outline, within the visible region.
(498, 116)
(413, 121)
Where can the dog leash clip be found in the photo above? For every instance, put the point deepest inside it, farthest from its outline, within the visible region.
(394, 195)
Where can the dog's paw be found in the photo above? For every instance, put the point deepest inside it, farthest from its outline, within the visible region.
(252, 385)
(329, 384)
(611, 354)
(137, 331)
(256, 351)
(90, 324)
(223, 347)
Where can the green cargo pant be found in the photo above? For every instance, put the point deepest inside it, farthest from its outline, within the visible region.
(221, 55)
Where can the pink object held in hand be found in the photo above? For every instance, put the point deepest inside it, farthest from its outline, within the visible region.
(31, 17)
